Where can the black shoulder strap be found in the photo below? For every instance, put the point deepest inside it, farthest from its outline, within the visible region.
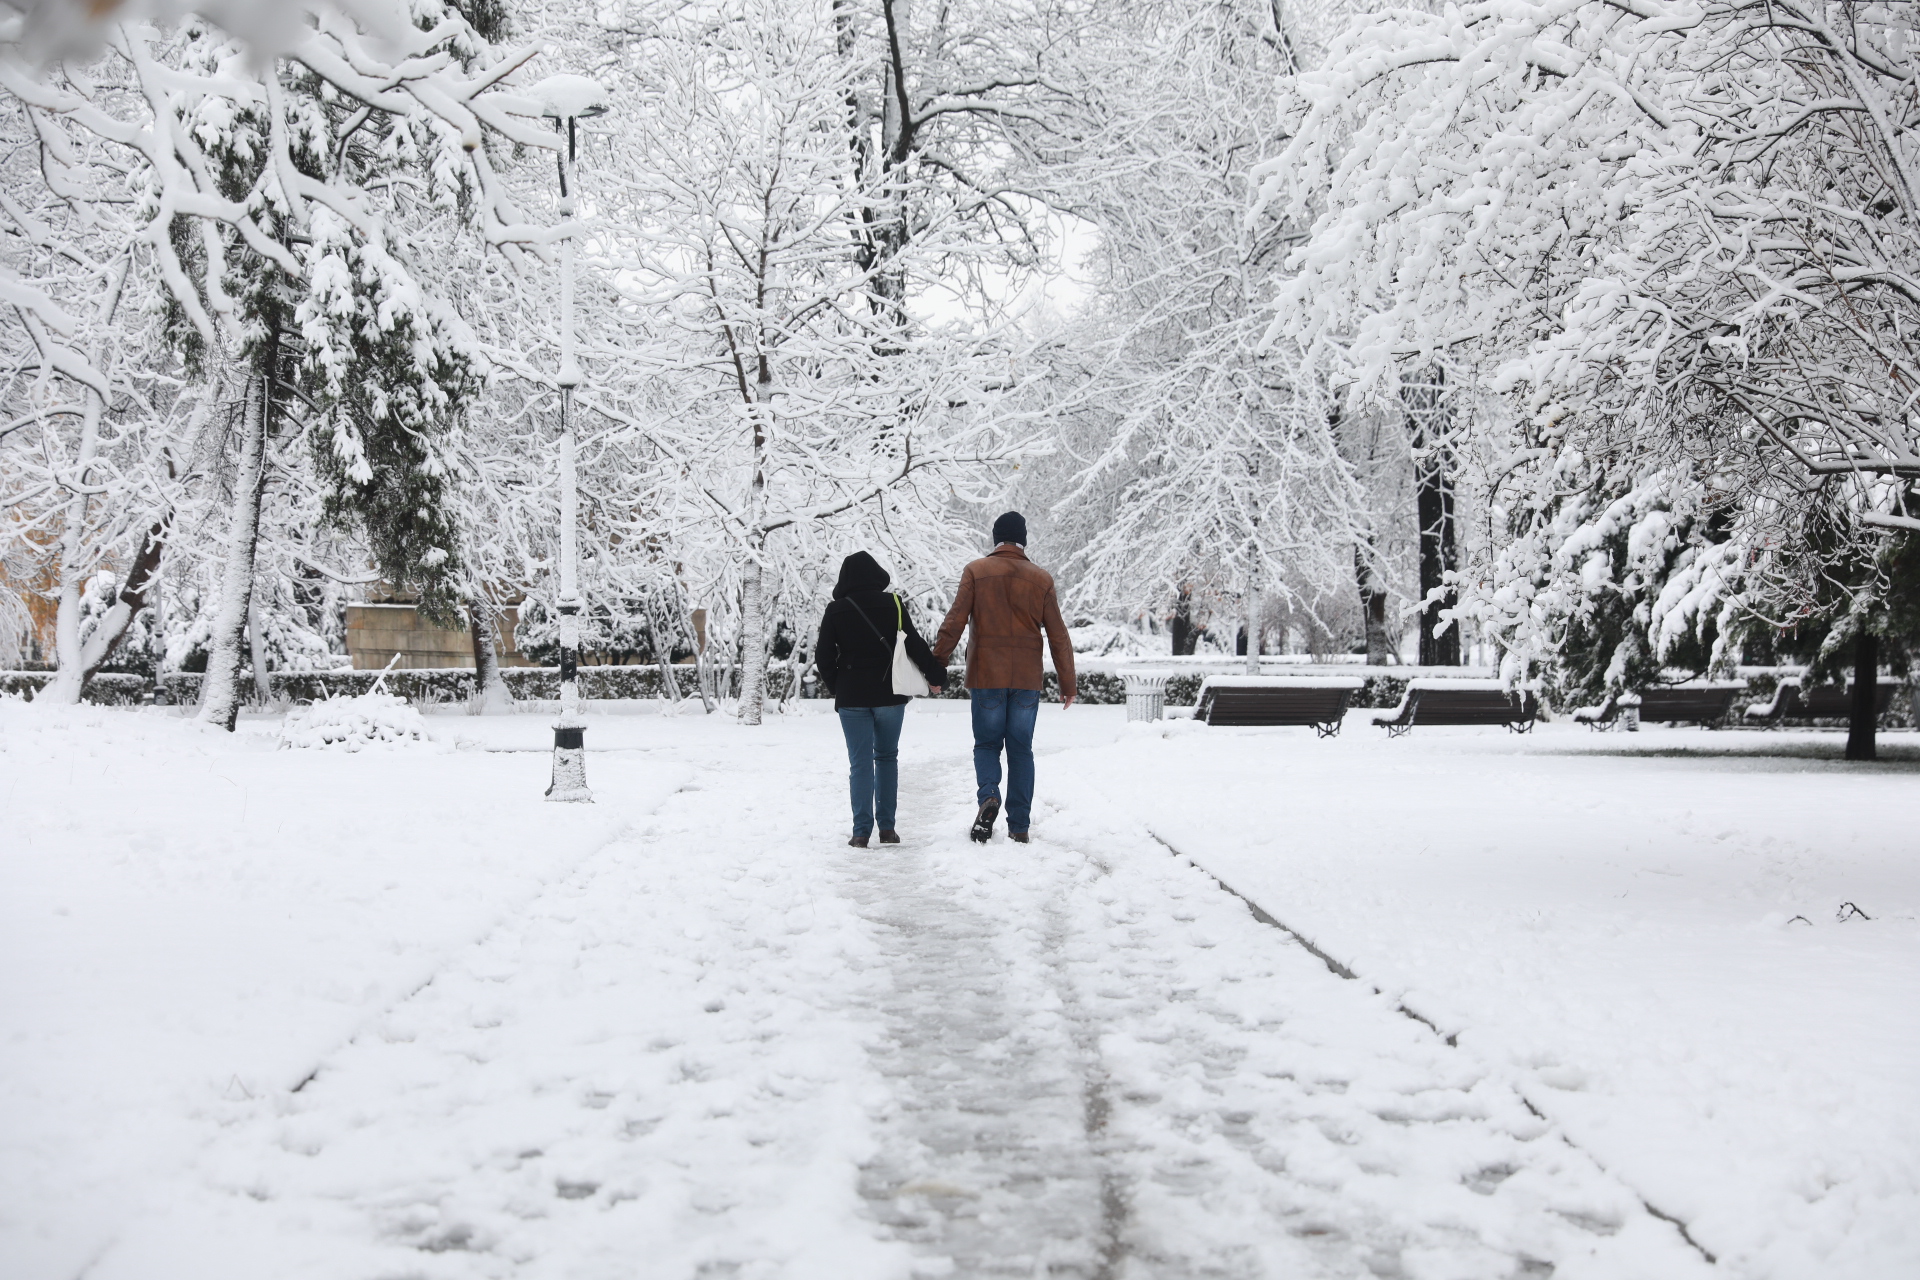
(869, 621)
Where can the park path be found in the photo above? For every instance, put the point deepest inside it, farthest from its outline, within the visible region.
(992, 1138)
(1102, 1065)
(728, 1046)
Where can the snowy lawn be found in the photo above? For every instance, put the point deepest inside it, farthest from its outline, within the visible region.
(387, 1013)
(1643, 930)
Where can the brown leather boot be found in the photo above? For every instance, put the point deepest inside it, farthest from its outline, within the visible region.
(1018, 837)
(858, 842)
(889, 837)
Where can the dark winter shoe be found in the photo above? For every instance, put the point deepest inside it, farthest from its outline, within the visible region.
(983, 821)
(858, 842)
(1018, 837)
(889, 837)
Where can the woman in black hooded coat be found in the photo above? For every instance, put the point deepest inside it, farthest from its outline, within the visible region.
(855, 660)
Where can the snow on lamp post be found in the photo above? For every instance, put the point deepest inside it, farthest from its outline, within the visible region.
(565, 99)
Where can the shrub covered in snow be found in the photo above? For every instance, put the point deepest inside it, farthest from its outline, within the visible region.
(352, 723)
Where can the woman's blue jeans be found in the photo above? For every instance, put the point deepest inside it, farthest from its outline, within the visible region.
(873, 764)
(1004, 718)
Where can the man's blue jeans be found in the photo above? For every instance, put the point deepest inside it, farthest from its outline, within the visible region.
(873, 764)
(1004, 718)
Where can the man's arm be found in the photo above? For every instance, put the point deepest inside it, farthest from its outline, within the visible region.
(956, 621)
(1061, 643)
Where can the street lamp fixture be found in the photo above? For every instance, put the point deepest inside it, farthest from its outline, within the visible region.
(565, 100)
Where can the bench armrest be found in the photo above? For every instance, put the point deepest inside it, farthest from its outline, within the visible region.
(1402, 714)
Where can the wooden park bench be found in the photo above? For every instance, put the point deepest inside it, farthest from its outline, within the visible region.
(1460, 702)
(1793, 701)
(1320, 701)
(1707, 702)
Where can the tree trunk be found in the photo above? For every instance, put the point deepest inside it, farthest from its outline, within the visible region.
(220, 687)
(69, 683)
(794, 668)
(889, 230)
(1256, 605)
(702, 666)
(1433, 502)
(1862, 719)
(1373, 606)
(491, 697)
(1186, 636)
(70, 669)
(753, 641)
(663, 656)
(257, 644)
(753, 580)
(70, 654)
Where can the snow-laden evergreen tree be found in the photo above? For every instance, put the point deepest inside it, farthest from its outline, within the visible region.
(391, 370)
(288, 207)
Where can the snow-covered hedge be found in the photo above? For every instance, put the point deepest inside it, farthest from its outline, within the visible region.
(429, 686)
(426, 687)
(114, 690)
(434, 685)
(1101, 684)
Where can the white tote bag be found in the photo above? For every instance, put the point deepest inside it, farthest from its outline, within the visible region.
(908, 679)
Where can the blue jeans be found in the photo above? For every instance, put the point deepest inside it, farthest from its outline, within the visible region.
(873, 763)
(1004, 717)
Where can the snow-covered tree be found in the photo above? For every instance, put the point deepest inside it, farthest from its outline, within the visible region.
(794, 398)
(1214, 463)
(287, 207)
(1677, 235)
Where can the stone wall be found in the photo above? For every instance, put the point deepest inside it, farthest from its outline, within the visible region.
(376, 632)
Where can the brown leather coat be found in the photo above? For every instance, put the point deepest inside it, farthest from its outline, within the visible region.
(1009, 599)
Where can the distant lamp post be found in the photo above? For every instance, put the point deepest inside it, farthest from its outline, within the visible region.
(566, 99)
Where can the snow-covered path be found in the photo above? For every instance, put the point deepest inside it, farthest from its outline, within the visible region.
(990, 1149)
(726, 1045)
(1104, 1066)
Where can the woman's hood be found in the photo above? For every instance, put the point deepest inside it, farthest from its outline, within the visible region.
(860, 572)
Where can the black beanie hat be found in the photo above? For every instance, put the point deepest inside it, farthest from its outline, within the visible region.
(1011, 527)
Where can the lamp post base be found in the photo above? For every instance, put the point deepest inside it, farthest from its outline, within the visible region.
(569, 785)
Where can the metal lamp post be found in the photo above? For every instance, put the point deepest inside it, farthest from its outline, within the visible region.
(565, 99)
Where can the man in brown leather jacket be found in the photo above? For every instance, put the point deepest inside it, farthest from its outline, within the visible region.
(1008, 599)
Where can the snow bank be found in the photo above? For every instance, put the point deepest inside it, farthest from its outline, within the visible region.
(351, 724)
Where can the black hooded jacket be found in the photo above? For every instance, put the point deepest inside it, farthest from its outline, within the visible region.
(854, 662)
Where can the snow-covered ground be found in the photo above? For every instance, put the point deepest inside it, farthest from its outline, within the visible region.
(299, 1013)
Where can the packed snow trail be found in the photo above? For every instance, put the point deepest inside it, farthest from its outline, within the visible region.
(730, 1046)
(989, 1156)
(1103, 1066)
